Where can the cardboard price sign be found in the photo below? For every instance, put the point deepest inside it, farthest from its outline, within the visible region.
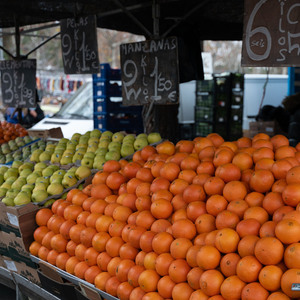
(271, 33)
(79, 45)
(150, 72)
(18, 83)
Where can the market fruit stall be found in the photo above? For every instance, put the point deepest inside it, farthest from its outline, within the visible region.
(192, 220)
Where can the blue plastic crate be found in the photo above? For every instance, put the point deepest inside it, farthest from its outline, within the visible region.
(106, 72)
(104, 105)
(131, 123)
(104, 88)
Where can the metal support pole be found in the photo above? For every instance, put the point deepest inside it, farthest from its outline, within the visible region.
(155, 17)
(17, 38)
(132, 17)
(42, 44)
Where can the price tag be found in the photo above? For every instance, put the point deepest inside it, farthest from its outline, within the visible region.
(10, 265)
(79, 45)
(150, 72)
(18, 82)
(271, 33)
(13, 219)
(296, 287)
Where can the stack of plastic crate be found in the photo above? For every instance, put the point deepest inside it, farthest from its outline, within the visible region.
(204, 109)
(109, 112)
(219, 106)
(229, 95)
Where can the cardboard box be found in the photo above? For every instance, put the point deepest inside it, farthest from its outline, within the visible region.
(17, 228)
(19, 219)
(22, 269)
(52, 282)
(55, 133)
(16, 249)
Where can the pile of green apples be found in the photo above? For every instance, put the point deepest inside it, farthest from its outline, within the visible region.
(93, 148)
(13, 149)
(27, 182)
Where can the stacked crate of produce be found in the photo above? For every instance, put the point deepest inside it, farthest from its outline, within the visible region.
(204, 107)
(109, 113)
(219, 106)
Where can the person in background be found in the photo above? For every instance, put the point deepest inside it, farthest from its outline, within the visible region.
(25, 116)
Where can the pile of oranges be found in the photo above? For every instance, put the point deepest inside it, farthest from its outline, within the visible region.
(10, 131)
(201, 219)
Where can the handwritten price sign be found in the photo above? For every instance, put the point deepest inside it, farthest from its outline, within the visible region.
(271, 33)
(79, 45)
(18, 82)
(150, 72)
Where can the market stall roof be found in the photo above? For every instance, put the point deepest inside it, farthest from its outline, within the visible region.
(206, 19)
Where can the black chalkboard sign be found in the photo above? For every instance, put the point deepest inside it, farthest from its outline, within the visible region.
(79, 45)
(150, 72)
(271, 33)
(18, 83)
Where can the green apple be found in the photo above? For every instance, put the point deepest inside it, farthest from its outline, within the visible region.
(126, 150)
(3, 169)
(117, 137)
(32, 178)
(16, 164)
(40, 166)
(3, 191)
(92, 148)
(142, 135)
(129, 137)
(55, 158)
(114, 146)
(47, 172)
(49, 202)
(83, 140)
(1, 179)
(12, 192)
(140, 143)
(104, 144)
(27, 186)
(71, 146)
(8, 201)
(83, 172)
(113, 155)
(35, 155)
(69, 180)
(95, 133)
(87, 162)
(93, 140)
(73, 169)
(99, 162)
(107, 133)
(12, 172)
(45, 156)
(68, 152)
(101, 151)
(60, 172)
(76, 136)
(39, 196)
(55, 188)
(40, 186)
(89, 155)
(56, 178)
(25, 173)
(65, 160)
(19, 183)
(22, 198)
(42, 179)
(77, 156)
(54, 167)
(154, 137)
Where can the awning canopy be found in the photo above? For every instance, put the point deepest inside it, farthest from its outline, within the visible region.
(206, 19)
